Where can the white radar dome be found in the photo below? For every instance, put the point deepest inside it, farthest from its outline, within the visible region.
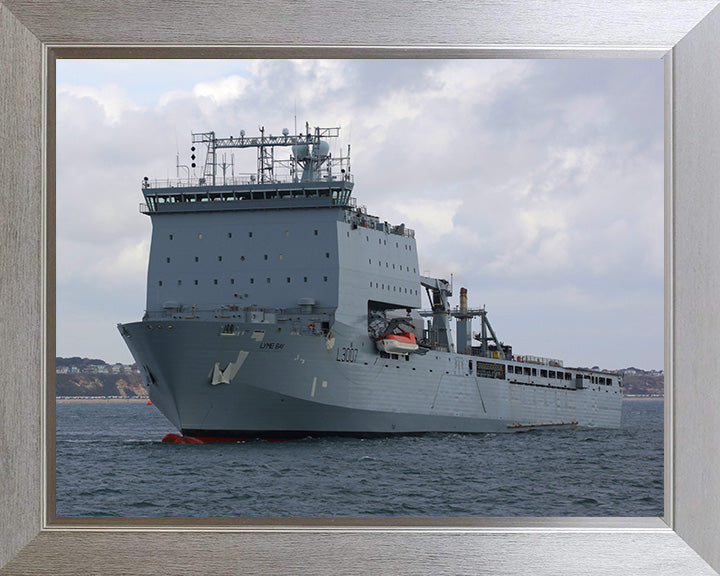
(322, 148)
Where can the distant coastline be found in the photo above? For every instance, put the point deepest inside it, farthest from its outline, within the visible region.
(94, 380)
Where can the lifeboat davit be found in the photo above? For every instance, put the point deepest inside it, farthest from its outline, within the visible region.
(403, 343)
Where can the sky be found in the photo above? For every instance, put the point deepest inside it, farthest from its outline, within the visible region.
(536, 184)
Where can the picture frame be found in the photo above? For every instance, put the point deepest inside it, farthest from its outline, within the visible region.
(33, 541)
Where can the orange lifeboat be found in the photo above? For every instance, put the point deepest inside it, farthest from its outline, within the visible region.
(403, 343)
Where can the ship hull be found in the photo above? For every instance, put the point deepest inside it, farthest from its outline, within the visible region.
(266, 381)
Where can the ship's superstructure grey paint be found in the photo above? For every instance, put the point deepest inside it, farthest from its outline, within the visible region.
(266, 299)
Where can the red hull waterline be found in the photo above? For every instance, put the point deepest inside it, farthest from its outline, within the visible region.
(178, 439)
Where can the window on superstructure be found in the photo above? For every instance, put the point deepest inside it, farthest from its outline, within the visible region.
(543, 373)
(552, 373)
(526, 371)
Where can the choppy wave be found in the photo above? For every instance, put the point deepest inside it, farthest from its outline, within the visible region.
(110, 462)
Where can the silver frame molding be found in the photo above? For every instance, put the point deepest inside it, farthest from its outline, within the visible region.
(686, 33)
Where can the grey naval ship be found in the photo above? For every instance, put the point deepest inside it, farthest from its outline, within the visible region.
(278, 308)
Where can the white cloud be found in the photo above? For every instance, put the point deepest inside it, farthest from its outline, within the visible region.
(110, 97)
(222, 90)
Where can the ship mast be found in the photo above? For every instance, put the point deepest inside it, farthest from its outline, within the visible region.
(310, 153)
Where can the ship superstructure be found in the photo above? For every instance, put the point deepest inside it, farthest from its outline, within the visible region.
(276, 307)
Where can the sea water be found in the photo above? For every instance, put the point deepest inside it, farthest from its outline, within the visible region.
(110, 461)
